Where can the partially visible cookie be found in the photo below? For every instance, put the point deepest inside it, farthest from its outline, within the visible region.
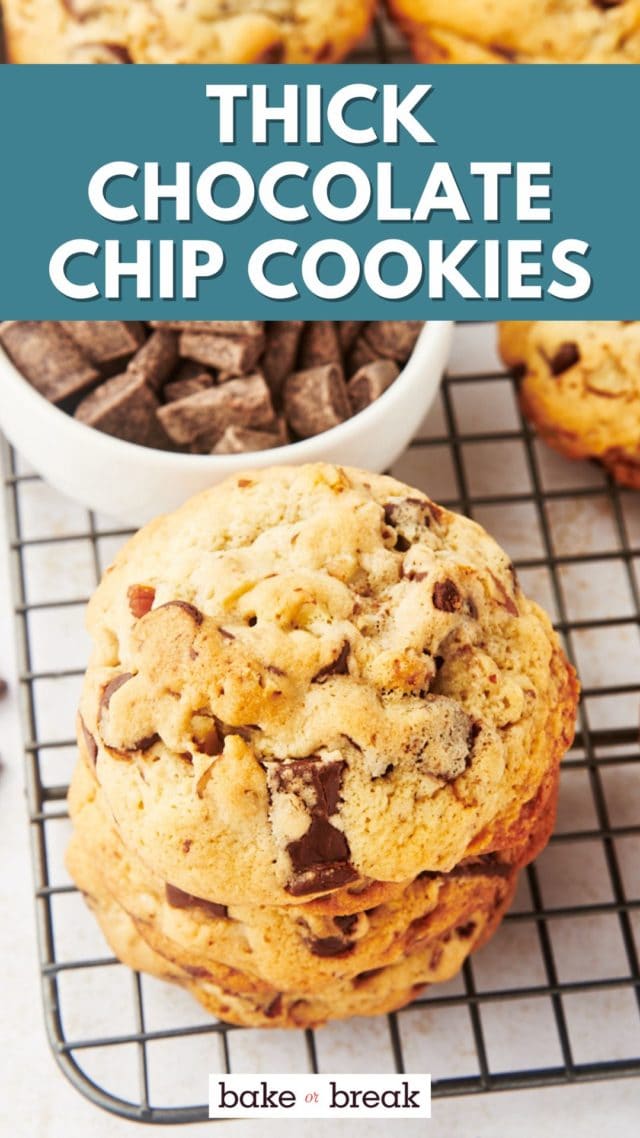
(521, 31)
(581, 388)
(183, 31)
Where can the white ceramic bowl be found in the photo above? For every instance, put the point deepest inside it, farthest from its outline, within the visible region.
(133, 483)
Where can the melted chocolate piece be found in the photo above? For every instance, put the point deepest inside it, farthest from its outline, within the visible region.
(111, 688)
(337, 667)
(330, 946)
(322, 879)
(90, 743)
(178, 899)
(275, 1007)
(193, 612)
(363, 977)
(563, 358)
(146, 743)
(466, 931)
(446, 596)
(322, 843)
(347, 923)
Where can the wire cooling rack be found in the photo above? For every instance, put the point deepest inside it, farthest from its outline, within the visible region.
(554, 997)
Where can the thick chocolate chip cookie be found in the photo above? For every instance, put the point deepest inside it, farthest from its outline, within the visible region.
(581, 388)
(309, 678)
(521, 31)
(183, 31)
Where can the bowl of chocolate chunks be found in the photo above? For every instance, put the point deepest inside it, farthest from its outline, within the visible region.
(132, 418)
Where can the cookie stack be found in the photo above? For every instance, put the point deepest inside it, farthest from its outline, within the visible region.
(319, 735)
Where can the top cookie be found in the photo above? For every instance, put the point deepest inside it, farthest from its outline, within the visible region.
(183, 31)
(307, 678)
(581, 387)
(521, 31)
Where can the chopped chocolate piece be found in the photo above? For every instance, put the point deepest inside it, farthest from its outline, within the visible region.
(319, 345)
(111, 688)
(141, 598)
(563, 358)
(90, 743)
(105, 342)
(48, 358)
(191, 610)
(239, 440)
(446, 596)
(280, 351)
(206, 734)
(235, 355)
(178, 899)
(348, 332)
(183, 388)
(395, 339)
(370, 382)
(126, 408)
(323, 777)
(201, 419)
(337, 667)
(329, 946)
(156, 359)
(604, 4)
(316, 400)
(360, 354)
(220, 327)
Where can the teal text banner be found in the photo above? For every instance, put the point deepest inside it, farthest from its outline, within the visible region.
(340, 192)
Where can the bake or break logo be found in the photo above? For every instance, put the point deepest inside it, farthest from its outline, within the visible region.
(305, 191)
(320, 1096)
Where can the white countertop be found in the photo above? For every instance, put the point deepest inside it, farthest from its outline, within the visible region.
(36, 1100)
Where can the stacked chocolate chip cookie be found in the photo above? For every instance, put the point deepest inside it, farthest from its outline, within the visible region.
(319, 735)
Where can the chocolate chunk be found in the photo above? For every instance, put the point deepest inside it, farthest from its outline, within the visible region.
(48, 358)
(321, 879)
(156, 359)
(337, 667)
(206, 733)
(563, 358)
(394, 339)
(363, 977)
(324, 778)
(141, 598)
(191, 610)
(466, 931)
(280, 352)
(275, 1007)
(506, 53)
(90, 743)
(319, 345)
(369, 383)
(178, 899)
(446, 596)
(126, 408)
(360, 354)
(201, 419)
(145, 743)
(316, 400)
(183, 388)
(235, 355)
(329, 946)
(219, 327)
(605, 4)
(320, 844)
(240, 440)
(348, 332)
(105, 342)
(347, 923)
(111, 688)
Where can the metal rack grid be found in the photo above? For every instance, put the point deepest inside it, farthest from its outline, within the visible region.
(566, 957)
